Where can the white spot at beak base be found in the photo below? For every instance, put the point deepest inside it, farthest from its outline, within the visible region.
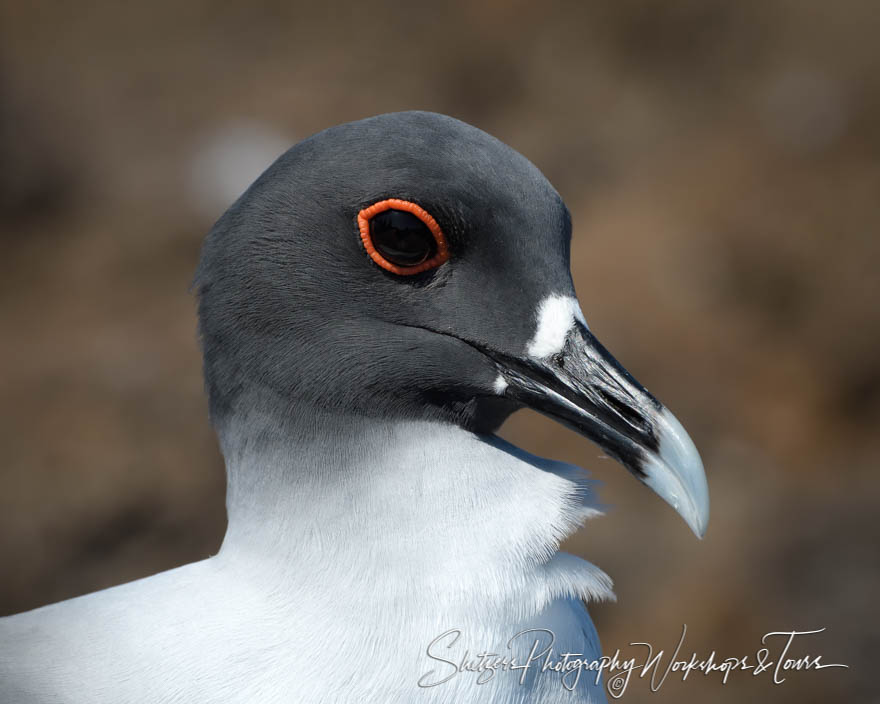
(556, 315)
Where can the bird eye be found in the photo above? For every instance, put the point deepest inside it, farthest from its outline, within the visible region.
(402, 237)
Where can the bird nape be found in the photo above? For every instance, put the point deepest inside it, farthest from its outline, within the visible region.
(371, 309)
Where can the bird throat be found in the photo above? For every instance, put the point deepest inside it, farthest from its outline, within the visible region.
(420, 505)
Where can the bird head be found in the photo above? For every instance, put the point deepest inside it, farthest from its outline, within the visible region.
(410, 266)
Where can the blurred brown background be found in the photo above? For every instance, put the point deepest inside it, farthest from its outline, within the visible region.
(722, 163)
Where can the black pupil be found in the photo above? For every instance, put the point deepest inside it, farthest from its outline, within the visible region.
(402, 238)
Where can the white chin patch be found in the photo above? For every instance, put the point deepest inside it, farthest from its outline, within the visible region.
(556, 315)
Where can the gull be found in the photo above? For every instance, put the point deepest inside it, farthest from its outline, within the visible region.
(371, 310)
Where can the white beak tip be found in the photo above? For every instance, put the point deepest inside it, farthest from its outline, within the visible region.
(676, 474)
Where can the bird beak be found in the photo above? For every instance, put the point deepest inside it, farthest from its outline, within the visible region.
(585, 388)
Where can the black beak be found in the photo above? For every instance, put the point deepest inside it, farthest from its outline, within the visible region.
(585, 388)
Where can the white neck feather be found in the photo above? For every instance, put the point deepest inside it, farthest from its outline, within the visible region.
(352, 547)
(424, 506)
(373, 539)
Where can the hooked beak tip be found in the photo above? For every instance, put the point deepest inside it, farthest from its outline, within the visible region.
(676, 474)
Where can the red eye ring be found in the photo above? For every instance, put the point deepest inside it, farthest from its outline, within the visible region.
(397, 204)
